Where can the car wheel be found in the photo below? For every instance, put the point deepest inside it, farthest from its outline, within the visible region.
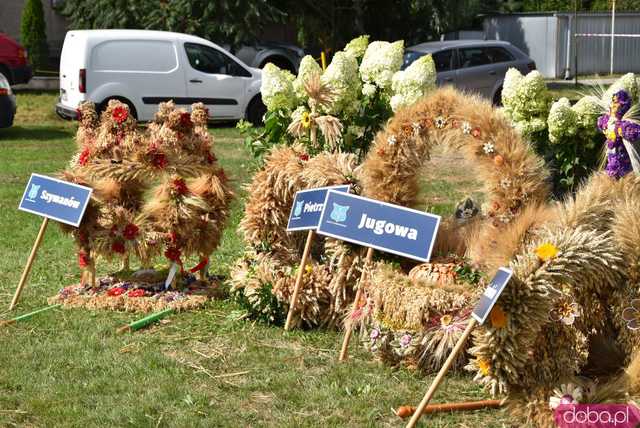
(256, 111)
(103, 106)
(497, 97)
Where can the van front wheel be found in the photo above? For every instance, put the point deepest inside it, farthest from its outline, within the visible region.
(103, 106)
(256, 111)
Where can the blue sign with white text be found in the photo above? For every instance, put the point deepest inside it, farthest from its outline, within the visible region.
(56, 199)
(380, 225)
(491, 294)
(307, 207)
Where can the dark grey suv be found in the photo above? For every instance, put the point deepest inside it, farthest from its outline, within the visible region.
(473, 65)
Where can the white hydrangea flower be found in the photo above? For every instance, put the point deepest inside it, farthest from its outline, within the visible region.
(562, 120)
(526, 101)
(415, 81)
(368, 89)
(392, 140)
(277, 88)
(308, 67)
(587, 110)
(466, 127)
(380, 61)
(357, 47)
(440, 122)
(627, 82)
(511, 81)
(342, 76)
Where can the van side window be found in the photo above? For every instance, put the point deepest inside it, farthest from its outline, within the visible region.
(443, 60)
(208, 60)
(472, 57)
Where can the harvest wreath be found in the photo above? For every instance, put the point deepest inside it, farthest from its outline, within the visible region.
(155, 192)
(414, 314)
(263, 279)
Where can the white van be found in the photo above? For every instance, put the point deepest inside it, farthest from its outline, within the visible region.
(144, 68)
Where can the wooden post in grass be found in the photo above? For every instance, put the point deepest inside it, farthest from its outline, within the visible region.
(299, 277)
(441, 374)
(30, 260)
(347, 333)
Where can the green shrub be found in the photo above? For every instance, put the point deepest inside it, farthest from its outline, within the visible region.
(33, 33)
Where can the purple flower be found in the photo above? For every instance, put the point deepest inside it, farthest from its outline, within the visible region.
(375, 333)
(623, 101)
(630, 131)
(405, 340)
(618, 163)
(603, 122)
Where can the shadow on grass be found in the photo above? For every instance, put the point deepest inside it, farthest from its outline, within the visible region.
(44, 133)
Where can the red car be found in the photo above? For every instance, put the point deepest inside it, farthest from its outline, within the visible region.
(13, 61)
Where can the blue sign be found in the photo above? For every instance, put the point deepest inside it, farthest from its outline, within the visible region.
(56, 199)
(491, 294)
(380, 225)
(307, 207)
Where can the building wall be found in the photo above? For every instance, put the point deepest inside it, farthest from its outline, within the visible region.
(548, 40)
(537, 36)
(594, 53)
(11, 12)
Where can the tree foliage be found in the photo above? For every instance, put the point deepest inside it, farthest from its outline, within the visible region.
(231, 21)
(33, 33)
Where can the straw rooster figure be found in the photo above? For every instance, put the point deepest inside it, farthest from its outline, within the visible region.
(155, 192)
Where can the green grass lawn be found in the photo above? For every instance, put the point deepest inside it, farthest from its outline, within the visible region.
(202, 368)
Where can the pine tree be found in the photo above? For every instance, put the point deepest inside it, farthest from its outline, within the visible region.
(33, 33)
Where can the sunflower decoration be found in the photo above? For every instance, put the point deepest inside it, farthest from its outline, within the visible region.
(307, 121)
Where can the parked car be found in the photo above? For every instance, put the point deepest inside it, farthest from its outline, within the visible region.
(13, 61)
(7, 103)
(286, 57)
(144, 68)
(473, 65)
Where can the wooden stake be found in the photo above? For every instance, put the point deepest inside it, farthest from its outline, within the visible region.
(299, 277)
(441, 374)
(92, 273)
(406, 411)
(30, 260)
(347, 333)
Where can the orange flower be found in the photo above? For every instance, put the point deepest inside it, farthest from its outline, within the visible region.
(498, 160)
(484, 366)
(476, 132)
(547, 251)
(498, 317)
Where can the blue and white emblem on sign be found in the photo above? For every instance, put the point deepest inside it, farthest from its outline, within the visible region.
(307, 207)
(55, 199)
(380, 225)
(339, 213)
(33, 193)
(491, 294)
